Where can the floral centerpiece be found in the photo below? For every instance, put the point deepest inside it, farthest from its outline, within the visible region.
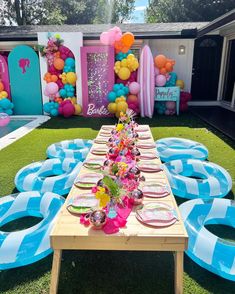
(118, 189)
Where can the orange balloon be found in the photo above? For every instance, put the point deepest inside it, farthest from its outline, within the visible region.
(160, 61)
(58, 63)
(132, 99)
(128, 39)
(163, 71)
(54, 78)
(169, 66)
(1, 87)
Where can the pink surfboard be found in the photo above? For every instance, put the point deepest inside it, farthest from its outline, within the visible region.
(4, 75)
(146, 81)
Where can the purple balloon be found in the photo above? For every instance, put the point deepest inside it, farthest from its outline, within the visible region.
(134, 88)
(51, 88)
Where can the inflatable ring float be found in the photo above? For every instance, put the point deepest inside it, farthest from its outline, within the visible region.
(178, 148)
(192, 178)
(76, 149)
(32, 244)
(51, 175)
(215, 254)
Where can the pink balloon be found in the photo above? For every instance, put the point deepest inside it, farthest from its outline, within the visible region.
(66, 108)
(104, 38)
(156, 71)
(117, 33)
(134, 88)
(160, 80)
(170, 105)
(51, 88)
(4, 119)
(60, 84)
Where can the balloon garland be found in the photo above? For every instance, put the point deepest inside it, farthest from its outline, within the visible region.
(6, 106)
(124, 92)
(60, 78)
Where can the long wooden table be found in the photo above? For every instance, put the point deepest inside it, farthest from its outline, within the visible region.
(69, 234)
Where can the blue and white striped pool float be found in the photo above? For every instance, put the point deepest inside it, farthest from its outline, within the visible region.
(51, 175)
(208, 179)
(30, 245)
(215, 254)
(179, 148)
(76, 149)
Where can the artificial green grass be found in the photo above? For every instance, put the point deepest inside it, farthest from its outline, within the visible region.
(112, 272)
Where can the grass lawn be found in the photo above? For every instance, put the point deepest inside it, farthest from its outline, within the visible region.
(112, 272)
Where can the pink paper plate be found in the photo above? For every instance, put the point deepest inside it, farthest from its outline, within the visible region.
(165, 213)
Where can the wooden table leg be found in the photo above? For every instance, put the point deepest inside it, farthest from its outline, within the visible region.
(55, 272)
(179, 271)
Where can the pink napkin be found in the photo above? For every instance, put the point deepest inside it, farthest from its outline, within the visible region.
(112, 225)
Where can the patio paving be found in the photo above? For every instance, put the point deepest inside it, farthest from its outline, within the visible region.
(218, 117)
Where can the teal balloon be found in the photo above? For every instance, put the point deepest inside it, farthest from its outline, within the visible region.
(112, 96)
(5, 103)
(120, 93)
(70, 62)
(8, 111)
(116, 87)
(47, 107)
(172, 81)
(62, 93)
(126, 90)
(54, 112)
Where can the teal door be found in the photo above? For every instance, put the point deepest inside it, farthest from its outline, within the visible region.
(25, 81)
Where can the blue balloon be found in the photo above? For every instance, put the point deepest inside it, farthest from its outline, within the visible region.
(112, 96)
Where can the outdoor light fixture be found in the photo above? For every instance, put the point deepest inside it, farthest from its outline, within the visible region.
(181, 50)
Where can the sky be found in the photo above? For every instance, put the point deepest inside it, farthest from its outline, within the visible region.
(138, 14)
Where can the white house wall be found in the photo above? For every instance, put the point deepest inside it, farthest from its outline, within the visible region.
(184, 63)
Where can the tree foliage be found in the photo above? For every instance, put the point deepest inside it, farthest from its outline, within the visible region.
(187, 10)
(30, 12)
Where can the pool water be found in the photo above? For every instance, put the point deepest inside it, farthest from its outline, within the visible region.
(13, 125)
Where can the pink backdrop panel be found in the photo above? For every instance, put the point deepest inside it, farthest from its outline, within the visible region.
(4, 75)
(97, 79)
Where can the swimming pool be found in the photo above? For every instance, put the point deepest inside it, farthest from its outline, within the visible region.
(18, 127)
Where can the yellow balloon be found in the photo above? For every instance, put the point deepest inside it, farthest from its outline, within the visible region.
(71, 78)
(73, 100)
(122, 106)
(122, 98)
(180, 83)
(78, 109)
(118, 100)
(3, 94)
(117, 114)
(124, 73)
(112, 107)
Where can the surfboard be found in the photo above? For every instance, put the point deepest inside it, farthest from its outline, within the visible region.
(4, 75)
(146, 81)
(24, 72)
